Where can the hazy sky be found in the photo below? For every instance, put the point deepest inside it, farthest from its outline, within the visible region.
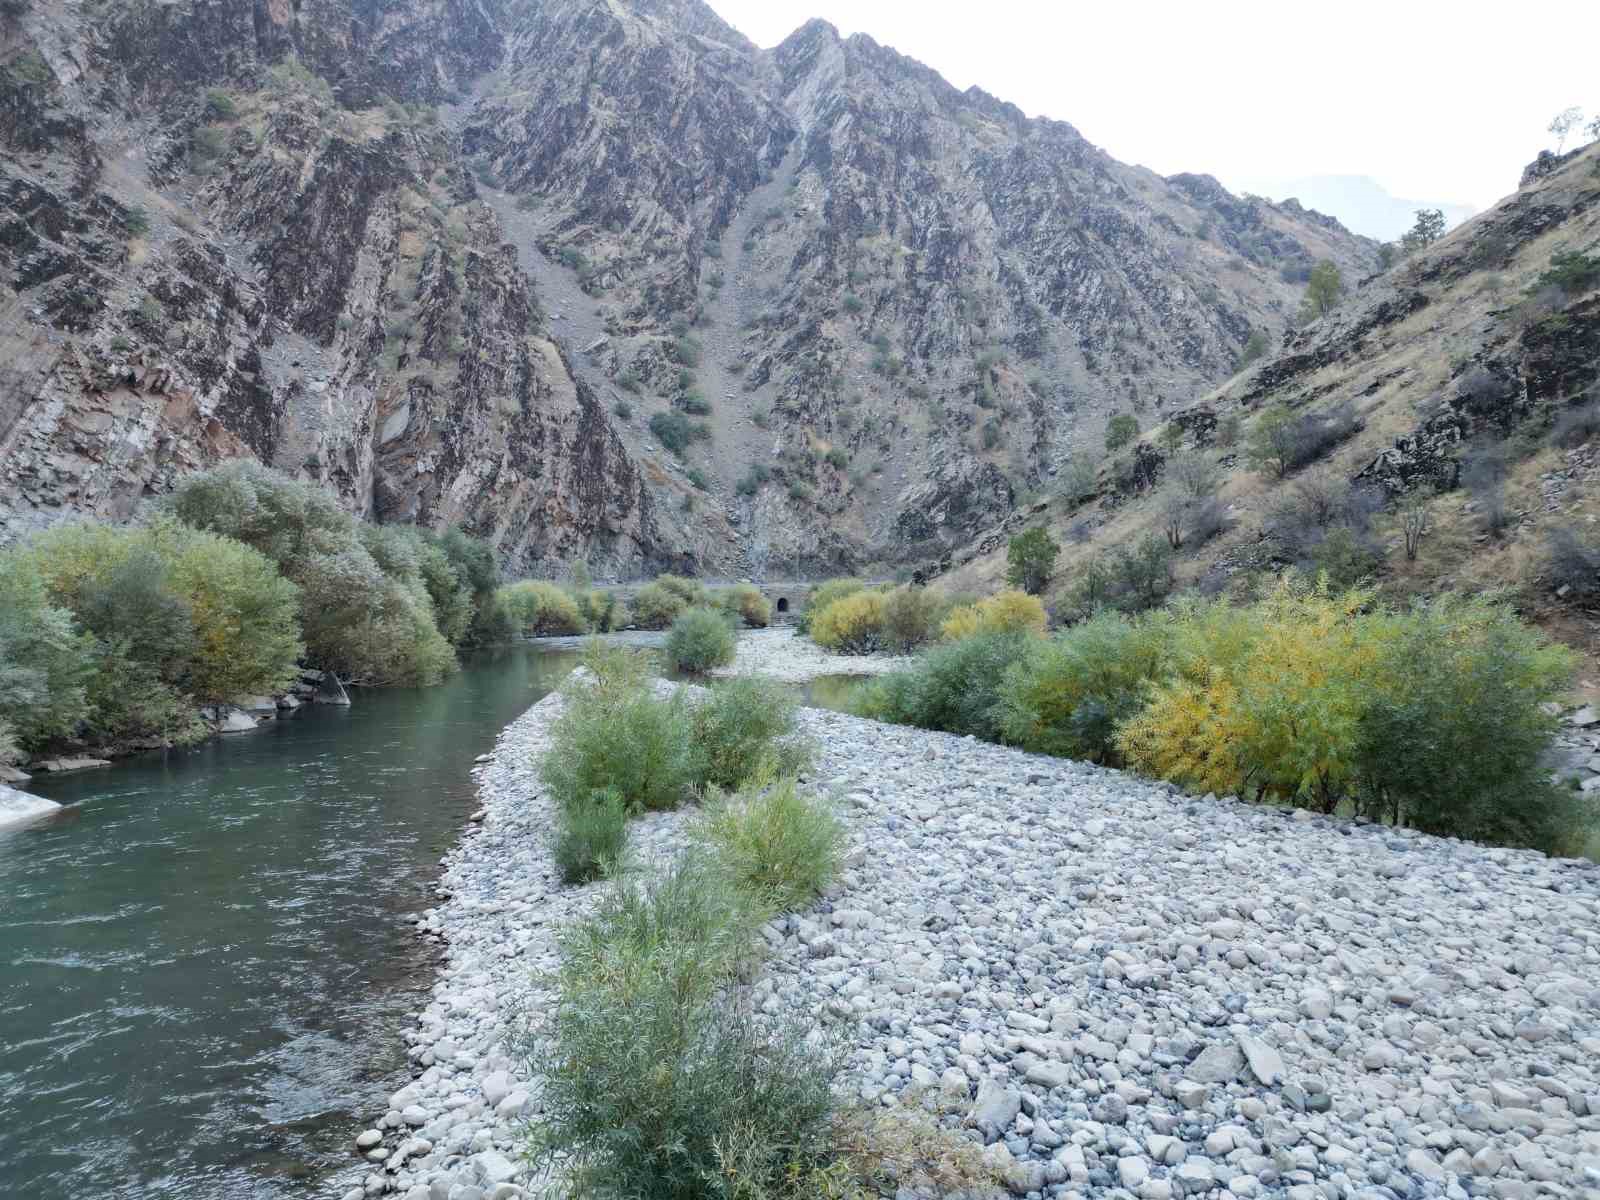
(1437, 102)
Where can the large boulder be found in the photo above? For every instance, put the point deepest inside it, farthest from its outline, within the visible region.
(20, 808)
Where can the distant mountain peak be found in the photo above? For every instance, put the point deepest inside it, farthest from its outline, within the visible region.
(1363, 204)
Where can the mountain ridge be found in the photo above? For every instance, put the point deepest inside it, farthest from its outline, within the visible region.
(940, 302)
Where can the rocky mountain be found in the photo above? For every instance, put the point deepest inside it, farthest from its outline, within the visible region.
(597, 279)
(1459, 389)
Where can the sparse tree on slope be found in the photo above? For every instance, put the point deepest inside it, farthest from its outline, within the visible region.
(1030, 560)
(1323, 290)
(1428, 229)
(1563, 124)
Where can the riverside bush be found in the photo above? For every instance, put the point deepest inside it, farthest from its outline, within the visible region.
(1068, 695)
(365, 608)
(696, 1100)
(953, 687)
(691, 591)
(1004, 612)
(746, 602)
(211, 617)
(701, 639)
(591, 836)
(780, 846)
(1431, 717)
(622, 738)
(45, 662)
(1451, 742)
(655, 607)
(822, 596)
(541, 609)
(598, 608)
(744, 726)
(1434, 717)
(851, 625)
(911, 617)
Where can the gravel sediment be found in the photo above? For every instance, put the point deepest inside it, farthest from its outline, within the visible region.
(782, 654)
(1122, 990)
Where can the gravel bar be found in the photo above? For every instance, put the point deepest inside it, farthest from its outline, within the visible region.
(1122, 990)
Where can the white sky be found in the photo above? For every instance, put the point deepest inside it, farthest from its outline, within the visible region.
(1439, 102)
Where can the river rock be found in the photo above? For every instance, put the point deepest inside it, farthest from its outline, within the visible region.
(330, 690)
(20, 808)
(235, 721)
(1266, 1064)
(1297, 1031)
(56, 765)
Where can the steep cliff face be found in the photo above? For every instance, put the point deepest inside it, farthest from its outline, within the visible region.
(1482, 347)
(451, 258)
(908, 304)
(278, 267)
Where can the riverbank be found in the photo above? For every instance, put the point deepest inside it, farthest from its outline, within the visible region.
(782, 653)
(1111, 983)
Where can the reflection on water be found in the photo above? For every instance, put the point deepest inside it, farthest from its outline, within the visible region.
(202, 966)
(833, 691)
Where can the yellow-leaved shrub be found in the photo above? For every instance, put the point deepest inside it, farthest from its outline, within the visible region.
(540, 609)
(1271, 707)
(852, 625)
(1004, 612)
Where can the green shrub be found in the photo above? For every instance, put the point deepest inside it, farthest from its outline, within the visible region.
(45, 662)
(242, 636)
(1455, 729)
(675, 431)
(746, 602)
(219, 105)
(700, 639)
(954, 687)
(852, 624)
(367, 622)
(1121, 430)
(1068, 695)
(691, 591)
(622, 737)
(750, 482)
(780, 846)
(911, 617)
(697, 1099)
(743, 727)
(1433, 718)
(598, 608)
(656, 606)
(591, 836)
(1031, 560)
(541, 609)
(476, 568)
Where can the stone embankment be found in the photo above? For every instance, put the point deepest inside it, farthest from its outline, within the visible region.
(1121, 990)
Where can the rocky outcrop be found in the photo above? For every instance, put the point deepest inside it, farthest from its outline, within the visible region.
(292, 271)
(433, 253)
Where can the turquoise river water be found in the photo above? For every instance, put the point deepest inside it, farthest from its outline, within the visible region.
(203, 968)
(204, 972)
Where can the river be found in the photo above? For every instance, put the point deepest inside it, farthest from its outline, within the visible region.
(203, 967)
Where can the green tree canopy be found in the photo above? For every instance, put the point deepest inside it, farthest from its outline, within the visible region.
(1031, 559)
